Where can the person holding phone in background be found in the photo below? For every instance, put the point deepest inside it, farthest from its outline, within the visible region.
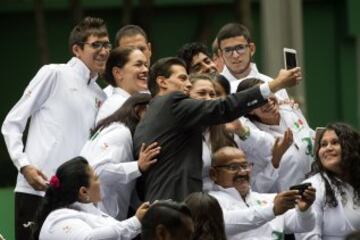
(336, 176)
(249, 214)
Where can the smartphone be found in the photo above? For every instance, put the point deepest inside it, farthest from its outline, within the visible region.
(290, 59)
(301, 187)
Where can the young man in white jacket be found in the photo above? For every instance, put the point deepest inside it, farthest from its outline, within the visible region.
(252, 215)
(62, 101)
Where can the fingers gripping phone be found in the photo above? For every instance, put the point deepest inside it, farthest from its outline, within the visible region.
(290, 58)
(301, 188)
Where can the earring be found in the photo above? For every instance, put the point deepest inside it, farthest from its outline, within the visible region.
(87, 198)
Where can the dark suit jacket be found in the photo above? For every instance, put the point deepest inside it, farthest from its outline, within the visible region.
(176, 122)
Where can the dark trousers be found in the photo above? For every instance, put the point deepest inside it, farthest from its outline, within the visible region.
(25, 209)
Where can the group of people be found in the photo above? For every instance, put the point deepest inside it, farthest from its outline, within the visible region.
(192, 146)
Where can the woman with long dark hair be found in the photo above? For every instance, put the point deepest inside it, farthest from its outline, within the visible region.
(68, 211)
(336, 176)
(207, 216)
(110, 153)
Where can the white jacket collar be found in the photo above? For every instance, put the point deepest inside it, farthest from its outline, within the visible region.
(81, 68)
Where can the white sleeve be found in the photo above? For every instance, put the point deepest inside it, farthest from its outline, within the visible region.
(79, 229)
(113, 158)
(298, 222)
(316, 232)
(35, 94)
(242, 220)
(256, 138)
(265, 180)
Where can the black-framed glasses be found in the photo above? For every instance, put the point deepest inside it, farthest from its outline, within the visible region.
(239, 49)
(236, 167)
(99, 45)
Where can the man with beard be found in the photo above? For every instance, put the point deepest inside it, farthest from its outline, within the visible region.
(62, 101)
(249, 214)
(176, 122)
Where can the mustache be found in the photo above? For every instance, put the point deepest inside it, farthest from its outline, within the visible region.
(241, 177)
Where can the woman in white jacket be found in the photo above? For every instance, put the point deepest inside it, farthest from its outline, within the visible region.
(68, 211)
(110, 153)
(336, 177)
(276, 118)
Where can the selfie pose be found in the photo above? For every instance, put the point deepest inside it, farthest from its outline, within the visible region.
(336, 176)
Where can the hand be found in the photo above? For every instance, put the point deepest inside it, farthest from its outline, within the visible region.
(285, 78)
(141, 211)
(284, 201)
(146, 156)
(235, 127)
(281, 145)
(35, 177)
(307, 199)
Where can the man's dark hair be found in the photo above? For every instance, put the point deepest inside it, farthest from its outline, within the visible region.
(88, 26)
(189, 50)
(231, 30)
(129, 31)
(162, 67)
(168, 213)
(117, 58)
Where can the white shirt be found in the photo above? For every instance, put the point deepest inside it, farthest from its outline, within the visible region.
(108, 90)
(254, 73)
(112, 103)
(258, 150)
(254, 218)
(62, 102)
(332, 223)
(206, 157)
(296, 161)
(110, 153)
(85, 221)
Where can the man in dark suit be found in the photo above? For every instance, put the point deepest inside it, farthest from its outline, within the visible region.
(176, 122)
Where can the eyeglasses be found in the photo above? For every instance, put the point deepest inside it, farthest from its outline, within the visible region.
(239, 49)
(99, 45)
(236, 167)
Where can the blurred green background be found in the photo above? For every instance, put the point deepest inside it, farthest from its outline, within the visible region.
(330, 31)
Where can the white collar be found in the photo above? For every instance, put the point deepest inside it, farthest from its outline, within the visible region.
(121, 92)
(87, 207)
(80, 67)
(232, 192)
(254, 72)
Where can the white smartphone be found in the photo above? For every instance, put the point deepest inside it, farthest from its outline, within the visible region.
(290, 59)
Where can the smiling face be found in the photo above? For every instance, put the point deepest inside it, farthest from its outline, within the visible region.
(230, 169)
(268, 113)
(177, 81)
(330, 152)
(203, 89)
(132, 77)
(94, 59)
(201, 63)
